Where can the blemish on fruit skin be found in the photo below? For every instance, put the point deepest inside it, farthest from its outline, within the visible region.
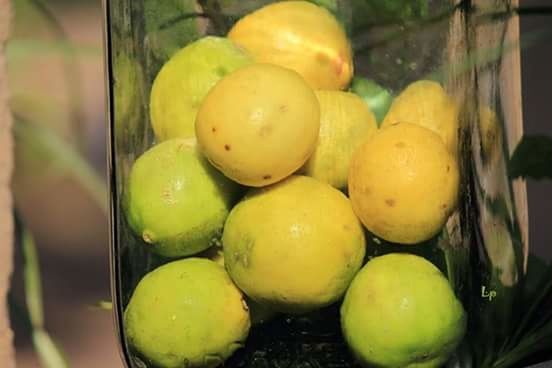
(283, 108)
(400, 145)
(227, 147)
(214, 130)
(267, 177)
(390, 202)
(322, 58)
(448, 168)
(339, 65)
(265, 130)
(147, 236)
(444, 206)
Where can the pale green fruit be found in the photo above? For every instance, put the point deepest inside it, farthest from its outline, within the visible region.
(400, 311)
(185, 79)
(176, 200)
(186, 313)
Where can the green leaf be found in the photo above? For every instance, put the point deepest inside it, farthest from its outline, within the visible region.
(50, 146)
(169, 26)
(48, 351)
(106, 305)
(532, 158)
(368, 13)
(31, 278)
(20, 49)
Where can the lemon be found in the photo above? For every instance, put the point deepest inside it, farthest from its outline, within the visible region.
(345, 122)
(186, 313)
(301, 36)
(175, 200)
(400, 311)
(185, 79)
(403, 183)
(294, 246)
(259, 124)
(426, 103)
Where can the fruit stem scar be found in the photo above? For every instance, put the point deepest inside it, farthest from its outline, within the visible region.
(147, 236)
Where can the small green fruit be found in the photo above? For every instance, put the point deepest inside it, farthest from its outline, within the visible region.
(400, 311)
(186, 313)
(176, 200)
(375, 96)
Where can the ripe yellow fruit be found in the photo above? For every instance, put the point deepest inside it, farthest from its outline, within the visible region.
(403, 183)
(301, 36)
(259, 124)
(185, 79)
(400, 311)
(345, 122)
(425, 103)
(294, 246)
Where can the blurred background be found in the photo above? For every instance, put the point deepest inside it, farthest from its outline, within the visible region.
(62, 88)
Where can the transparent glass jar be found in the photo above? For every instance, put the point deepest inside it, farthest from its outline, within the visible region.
(482, 247)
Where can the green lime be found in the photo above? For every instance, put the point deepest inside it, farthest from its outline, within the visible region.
(175, 200)
(376, 97)
(186, 313)
(400, 311)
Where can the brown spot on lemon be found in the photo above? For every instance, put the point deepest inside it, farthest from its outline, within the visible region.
(267, 177)
(390, 202)
(400, 145)
(227, 147)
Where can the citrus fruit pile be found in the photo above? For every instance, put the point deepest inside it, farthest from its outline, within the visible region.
(268, 172)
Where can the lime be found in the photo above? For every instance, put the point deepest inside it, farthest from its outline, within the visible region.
(186, 313)
(375, 96)
(400, 311)
(175, 200)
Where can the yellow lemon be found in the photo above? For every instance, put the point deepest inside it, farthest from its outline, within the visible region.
(187, 313)
(400, 311)
(345, 122)
(294, 246)
(185, 79)
(403, 183)
(301, 36)
(426, 103)
(259, 124)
